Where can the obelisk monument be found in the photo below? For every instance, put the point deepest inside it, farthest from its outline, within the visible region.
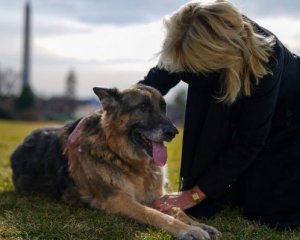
(26, 47)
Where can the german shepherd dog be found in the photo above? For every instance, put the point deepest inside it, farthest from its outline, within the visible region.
(114, 163)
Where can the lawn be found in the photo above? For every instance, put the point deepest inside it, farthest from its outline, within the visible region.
(32, 217)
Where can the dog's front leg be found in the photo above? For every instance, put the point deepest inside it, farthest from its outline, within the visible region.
(181, 215)
(126, 206)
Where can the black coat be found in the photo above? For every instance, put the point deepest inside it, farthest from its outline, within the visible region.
(253, 143)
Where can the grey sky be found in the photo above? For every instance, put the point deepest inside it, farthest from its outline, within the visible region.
(139, 11)
(56, 22)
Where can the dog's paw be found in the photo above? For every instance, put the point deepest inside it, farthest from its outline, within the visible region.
(213, 232)
(194, 233)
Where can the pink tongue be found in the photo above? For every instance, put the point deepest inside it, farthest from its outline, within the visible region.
(159, 153)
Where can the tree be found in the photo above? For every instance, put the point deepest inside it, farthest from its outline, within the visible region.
(27, 98)
(176, 108)
(179, 100)
(9, 80)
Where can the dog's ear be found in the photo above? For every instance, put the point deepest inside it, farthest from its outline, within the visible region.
(109, 97)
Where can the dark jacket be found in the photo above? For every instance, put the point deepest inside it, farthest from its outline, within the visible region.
(256, 138)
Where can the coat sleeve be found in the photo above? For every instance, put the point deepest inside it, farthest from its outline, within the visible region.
(161, 79)
(248, 140)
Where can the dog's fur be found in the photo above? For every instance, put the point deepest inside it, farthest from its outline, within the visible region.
(108, 166)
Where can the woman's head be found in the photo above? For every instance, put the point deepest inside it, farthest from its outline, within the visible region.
(205, 36)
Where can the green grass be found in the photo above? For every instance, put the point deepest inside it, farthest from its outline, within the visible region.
(32, 217)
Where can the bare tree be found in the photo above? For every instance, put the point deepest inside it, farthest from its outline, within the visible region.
(9, 82)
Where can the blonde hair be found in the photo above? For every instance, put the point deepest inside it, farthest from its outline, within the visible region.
(210, 36)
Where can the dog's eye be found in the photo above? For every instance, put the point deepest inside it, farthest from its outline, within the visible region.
(163, 106)
(143, 106)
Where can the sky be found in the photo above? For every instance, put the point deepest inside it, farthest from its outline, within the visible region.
(110, 43)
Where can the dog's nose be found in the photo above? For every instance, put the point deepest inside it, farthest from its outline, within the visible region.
(169, 132)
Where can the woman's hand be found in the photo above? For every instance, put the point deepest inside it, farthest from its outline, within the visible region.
(183, 200)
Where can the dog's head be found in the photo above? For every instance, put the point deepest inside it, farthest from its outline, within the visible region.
(135, 123)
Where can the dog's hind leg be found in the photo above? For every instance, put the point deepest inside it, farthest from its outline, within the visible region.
(39, 166)
(180, 215)
(126, 206)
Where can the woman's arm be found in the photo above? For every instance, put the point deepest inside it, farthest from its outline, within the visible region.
(184, 200)
(243, 149)
(249, 139)
(161, 79)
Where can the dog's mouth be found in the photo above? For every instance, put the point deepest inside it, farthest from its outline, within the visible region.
(157, 150)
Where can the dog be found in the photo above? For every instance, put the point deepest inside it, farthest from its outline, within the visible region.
(112, 160)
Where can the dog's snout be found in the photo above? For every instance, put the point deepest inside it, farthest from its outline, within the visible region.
(169, 132)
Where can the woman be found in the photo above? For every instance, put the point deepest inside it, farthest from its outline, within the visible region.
(241, 142)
